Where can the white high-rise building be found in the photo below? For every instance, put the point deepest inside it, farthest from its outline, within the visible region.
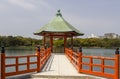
(111, 35)
(93, 36)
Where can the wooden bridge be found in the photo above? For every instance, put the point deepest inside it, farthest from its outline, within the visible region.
(57, 66)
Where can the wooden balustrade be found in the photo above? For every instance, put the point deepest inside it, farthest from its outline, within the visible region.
(77, 60)
(17, 65)
(41, 57)
(44, 57)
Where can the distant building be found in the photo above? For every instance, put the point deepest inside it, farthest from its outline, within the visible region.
(93, 36)
(111, 35)
(106, 35)
(102, 37)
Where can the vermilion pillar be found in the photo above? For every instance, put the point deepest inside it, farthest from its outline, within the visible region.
(44, 41)
(72, 42)
(51, 42)
(65, 41)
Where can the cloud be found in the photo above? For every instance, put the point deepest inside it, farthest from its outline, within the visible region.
(2, 6)
(31, 4)
(42, 4)
(23, 3)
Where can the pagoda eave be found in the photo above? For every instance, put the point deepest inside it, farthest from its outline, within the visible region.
(49, 33)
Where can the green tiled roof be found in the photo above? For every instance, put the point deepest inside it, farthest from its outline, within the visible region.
(58, 24)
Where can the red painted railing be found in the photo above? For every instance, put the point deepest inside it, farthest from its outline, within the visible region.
(76, 58)
(40, 59)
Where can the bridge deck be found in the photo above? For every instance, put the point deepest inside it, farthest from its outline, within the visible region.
(59, 66)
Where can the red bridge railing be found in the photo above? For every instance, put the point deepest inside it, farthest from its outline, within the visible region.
(76, 58)
(13, 67)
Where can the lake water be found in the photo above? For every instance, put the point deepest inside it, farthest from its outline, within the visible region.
(19, 51)
(86, 51)
(99, 52)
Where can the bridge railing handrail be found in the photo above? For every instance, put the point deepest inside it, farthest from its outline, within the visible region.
(40, 62)
(77, 57)
(17, 64)
(44, 58)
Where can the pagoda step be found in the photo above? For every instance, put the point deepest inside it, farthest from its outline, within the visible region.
(62, 77)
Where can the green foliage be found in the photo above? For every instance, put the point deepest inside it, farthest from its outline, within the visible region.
(112, 42)
(18, 41)
(85, 42)
(96, 42)
(90, 42)
(58, 43)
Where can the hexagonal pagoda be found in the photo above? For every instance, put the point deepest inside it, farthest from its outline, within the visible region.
(58, 27)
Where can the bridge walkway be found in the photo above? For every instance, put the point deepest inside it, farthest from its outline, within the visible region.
(59, 67)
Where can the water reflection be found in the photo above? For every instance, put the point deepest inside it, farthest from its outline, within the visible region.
(86, 51)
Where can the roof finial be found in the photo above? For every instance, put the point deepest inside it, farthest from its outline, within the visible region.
(58, 11)
(59, 14)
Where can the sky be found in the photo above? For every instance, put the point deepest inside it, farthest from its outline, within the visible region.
(24, 17)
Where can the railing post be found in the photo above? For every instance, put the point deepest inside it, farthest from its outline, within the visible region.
(80, 59)
(3, 63)
(117, 71)
(119, 66)
(91, 63)
(66, 51)
(16, 61)
(28, 63)
(80, 49)
(38, 59)
(102, 65)
(71, 52)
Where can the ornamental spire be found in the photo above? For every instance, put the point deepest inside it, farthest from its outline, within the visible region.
(58, 13)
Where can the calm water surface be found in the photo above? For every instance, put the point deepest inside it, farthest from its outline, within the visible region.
(99, 52)
(18, 51)
(86, 51)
